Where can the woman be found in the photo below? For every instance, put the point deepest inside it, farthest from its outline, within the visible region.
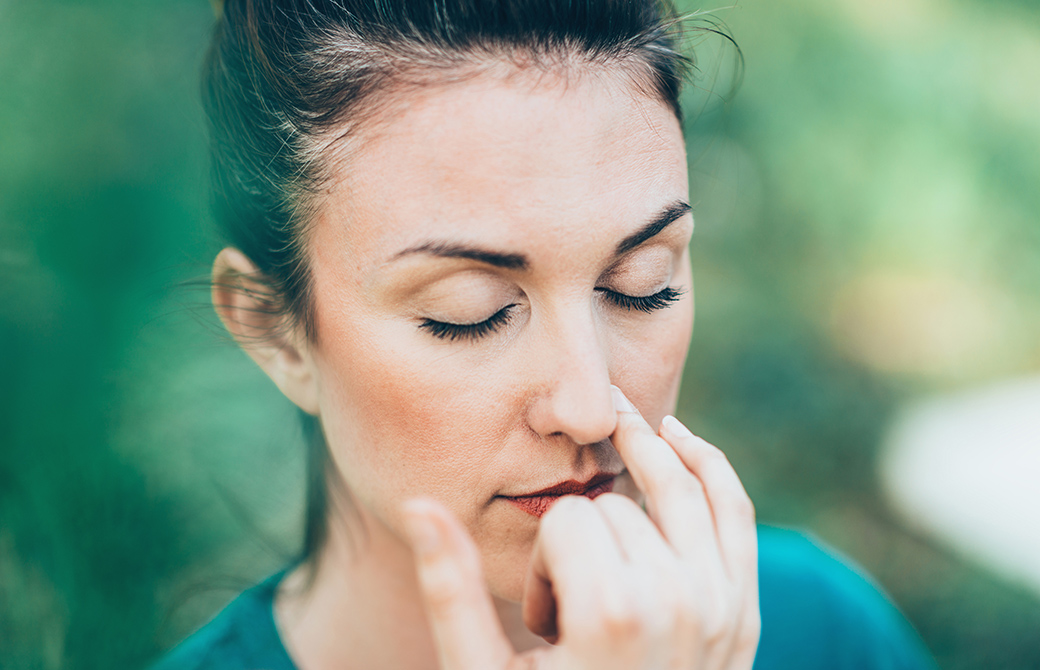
(458, 242)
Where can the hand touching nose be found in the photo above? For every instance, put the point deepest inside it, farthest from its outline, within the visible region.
(614, 587)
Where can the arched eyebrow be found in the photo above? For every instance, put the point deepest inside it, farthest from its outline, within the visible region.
(667, 216)
(455, 250)
(510, 261)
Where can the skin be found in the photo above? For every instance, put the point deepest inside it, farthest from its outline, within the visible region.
(427, 434)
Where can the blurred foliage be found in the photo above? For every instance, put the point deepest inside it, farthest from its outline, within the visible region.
(874, 181)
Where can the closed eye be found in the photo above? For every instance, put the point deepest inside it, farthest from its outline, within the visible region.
(468, 331)
(648, 303)
(474, 331)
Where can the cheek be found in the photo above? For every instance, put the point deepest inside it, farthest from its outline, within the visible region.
(399, 426)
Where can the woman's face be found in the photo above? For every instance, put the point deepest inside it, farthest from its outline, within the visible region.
(498, 253)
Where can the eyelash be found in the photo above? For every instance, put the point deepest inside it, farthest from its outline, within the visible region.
(468, 331)
(474, 331)
(647, 303)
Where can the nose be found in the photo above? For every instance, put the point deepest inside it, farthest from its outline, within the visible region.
(574, 366)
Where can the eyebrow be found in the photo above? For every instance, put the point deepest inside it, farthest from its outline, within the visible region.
(453, 250)
(664, 218)
(667, 216)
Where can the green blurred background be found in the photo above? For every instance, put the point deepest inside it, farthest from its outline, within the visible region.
(876, 153)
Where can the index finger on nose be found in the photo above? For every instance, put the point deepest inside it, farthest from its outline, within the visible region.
(676, 500)
(651, 461)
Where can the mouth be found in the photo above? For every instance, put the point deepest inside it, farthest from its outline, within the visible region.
(538, 503)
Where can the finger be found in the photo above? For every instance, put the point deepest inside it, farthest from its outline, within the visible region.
(677, 588)
(574, 563)
(744, 643)
(735, 520)
(462, 617)
(730, 506)
(639, 539)
(676, 500)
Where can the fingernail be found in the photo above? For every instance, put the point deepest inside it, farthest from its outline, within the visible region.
(422, 532)
(621, 403)
(675, 427)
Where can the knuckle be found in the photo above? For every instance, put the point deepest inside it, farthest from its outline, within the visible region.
(660, 625)
(712, 455)
(662, 603)
(620, 619)
(622, 625)
(670, 614)
(751, 628)
(714, 630)
(747, 509)
(687, 613)
(741, 508)
(687, 616)
(717, 622)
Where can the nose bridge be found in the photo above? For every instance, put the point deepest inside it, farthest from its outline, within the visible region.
(577, 369)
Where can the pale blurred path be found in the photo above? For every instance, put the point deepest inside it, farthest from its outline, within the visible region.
(966, 470)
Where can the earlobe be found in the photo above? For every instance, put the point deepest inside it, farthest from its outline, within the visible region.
(253, 314)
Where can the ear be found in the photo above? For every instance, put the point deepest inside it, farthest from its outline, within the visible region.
(252, 315)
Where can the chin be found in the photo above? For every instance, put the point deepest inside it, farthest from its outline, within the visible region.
(505, 561)
(505, 578)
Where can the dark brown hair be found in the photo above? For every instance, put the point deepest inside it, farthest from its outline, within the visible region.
(286, 81)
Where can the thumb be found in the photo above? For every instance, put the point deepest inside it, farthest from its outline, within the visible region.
(462, 617)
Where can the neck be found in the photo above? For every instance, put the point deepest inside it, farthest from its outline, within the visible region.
(359, 605)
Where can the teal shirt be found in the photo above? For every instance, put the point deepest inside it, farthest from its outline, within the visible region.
(818, 613)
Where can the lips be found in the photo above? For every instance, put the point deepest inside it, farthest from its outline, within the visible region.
(538, 503)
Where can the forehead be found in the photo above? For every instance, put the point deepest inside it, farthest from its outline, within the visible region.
(514, 162)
